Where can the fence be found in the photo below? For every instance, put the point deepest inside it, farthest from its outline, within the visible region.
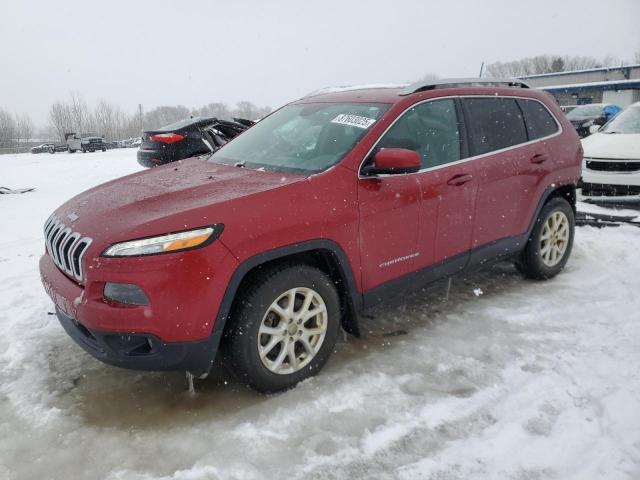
(5, 150)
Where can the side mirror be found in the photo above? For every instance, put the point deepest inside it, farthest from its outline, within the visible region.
(395, 160)
(594, 128)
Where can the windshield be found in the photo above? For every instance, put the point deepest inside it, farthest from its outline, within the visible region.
(627, 121)
(585, 111)
(307, 138)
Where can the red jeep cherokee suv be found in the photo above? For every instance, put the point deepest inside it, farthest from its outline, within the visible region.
(266, 248)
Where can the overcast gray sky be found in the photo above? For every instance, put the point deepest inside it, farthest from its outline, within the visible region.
(270, 52)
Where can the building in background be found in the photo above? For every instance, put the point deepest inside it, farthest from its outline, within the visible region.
(617, 85)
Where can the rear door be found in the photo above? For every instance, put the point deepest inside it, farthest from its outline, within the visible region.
(496, 129)
(537, 159)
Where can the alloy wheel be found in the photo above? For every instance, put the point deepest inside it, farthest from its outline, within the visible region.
(292, 330)
(554, 239)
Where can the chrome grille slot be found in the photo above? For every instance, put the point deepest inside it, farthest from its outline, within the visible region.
(65, 247)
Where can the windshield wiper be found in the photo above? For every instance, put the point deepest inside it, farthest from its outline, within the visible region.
(240, 164)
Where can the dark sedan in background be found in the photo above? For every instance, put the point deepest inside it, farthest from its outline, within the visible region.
(585, 116)
(49, 148)
(187, 138)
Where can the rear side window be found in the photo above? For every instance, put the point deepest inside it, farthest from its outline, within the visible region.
(539, 121)
(494, 124)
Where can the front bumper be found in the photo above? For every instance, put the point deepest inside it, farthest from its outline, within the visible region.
(609, 183)
(141, 351)
(174, 331)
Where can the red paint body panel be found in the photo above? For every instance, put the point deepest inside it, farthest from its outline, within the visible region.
(386, 227)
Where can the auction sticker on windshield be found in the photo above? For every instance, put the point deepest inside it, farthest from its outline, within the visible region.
(354, 120)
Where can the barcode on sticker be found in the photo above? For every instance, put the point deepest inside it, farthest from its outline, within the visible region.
(354, 120)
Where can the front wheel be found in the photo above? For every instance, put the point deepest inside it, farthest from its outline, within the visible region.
(284, 328)
(551, 241)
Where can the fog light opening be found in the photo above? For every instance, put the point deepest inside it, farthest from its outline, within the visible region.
(125, 293)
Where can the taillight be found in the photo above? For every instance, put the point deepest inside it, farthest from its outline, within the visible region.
(166, 137)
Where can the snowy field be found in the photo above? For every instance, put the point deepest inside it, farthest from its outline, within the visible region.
(507, 379)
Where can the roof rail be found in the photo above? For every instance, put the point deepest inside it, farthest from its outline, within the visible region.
(462, 82)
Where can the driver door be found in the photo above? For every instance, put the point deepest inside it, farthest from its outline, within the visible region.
(389, 217)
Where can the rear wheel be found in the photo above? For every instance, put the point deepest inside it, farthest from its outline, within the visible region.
(284, 327)
(551, 241)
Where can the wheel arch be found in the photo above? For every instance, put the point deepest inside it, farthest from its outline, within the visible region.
(324, 254)
(566, 191)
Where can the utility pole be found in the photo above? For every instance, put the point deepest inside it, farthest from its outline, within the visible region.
(481, 69)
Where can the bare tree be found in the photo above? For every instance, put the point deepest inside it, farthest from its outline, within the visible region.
(248, 110)
(61, 119)
(107, 119)
(636, 57)
(80, 115)
(24, 127)
(546, 64)
(8, 130)
(216, 109)
(165, 115)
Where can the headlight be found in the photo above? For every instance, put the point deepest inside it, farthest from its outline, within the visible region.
(169, 243)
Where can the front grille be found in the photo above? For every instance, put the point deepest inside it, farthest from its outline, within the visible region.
(65, 247)
(623, 166)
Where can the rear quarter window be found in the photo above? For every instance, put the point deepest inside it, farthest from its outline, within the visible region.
(494, 124)
(540, 123)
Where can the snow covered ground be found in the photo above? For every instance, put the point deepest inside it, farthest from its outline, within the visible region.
(508, 379)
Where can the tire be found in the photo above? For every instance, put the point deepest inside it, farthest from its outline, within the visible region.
(72, 151)
(544, 258)
(254, 312)
(104, 149)
(84, 151)
(52, 150)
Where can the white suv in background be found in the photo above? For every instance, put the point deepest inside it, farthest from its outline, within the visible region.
(611, 165)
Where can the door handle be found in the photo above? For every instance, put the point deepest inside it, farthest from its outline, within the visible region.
(461, 179)
(539, 158)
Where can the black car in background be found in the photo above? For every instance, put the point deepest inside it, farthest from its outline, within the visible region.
(584, 116)
(49, 148)
(187, 138)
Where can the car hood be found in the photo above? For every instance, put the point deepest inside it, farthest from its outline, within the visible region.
(612, 145)
(178, 196)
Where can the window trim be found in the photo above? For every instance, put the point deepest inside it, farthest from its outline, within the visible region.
(466, 133)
